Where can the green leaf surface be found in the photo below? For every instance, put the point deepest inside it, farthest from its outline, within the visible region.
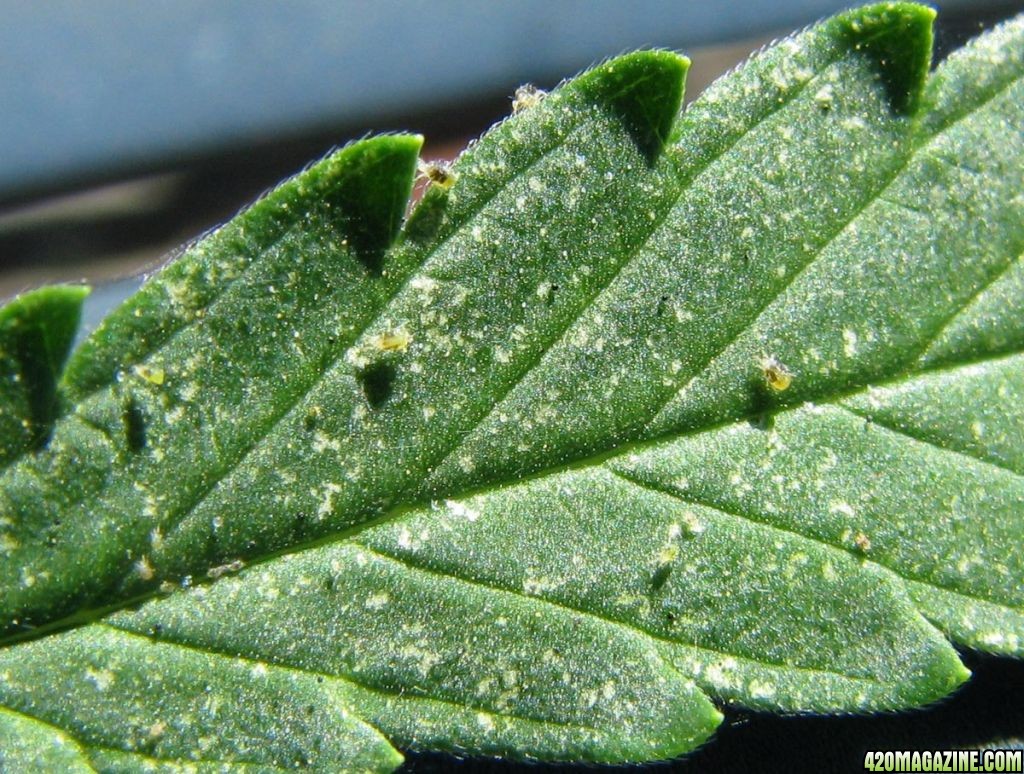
(650, 410)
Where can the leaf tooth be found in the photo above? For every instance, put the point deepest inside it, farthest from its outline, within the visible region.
(361, 188)
(36, 331)
(971, 75)
(898, 39)
(644, 91)
(369, 192)
(975, 623)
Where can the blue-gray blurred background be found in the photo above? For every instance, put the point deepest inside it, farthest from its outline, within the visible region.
(129, 127)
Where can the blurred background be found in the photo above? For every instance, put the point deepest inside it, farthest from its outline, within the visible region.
(129, 128)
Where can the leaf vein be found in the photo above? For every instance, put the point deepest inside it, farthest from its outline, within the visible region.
(978, 292)
(632, 628)
(879, 195)
(836, 546)
(211, 650)
(561, 335)
(908, 434)
(36, 719)
(183, 513)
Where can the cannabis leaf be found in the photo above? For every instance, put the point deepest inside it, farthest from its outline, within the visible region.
(648, 410)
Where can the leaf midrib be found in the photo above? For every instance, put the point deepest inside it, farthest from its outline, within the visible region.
(408, 566)
(87, 616)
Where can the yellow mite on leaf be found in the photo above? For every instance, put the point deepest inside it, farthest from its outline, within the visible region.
(527, 96)
(393, 341)
(438, 173)
(151, 375)
(776, 375)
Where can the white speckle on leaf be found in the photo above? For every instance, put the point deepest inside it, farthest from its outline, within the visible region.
(461, 510)
(849, 342)
(991, 639)
(326, 505)
(823, 97)
(843, 508)
(485, 686)
(795, 563)
(8, 543)
(423, 284)
(425, 660)
(534, 586)
(404, 538)
(693, 524)
(144, 569)
(102, 679)
(323, 442)
(485, 721)
(721, 674)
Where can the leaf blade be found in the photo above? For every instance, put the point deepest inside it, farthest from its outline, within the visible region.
(741, 541)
